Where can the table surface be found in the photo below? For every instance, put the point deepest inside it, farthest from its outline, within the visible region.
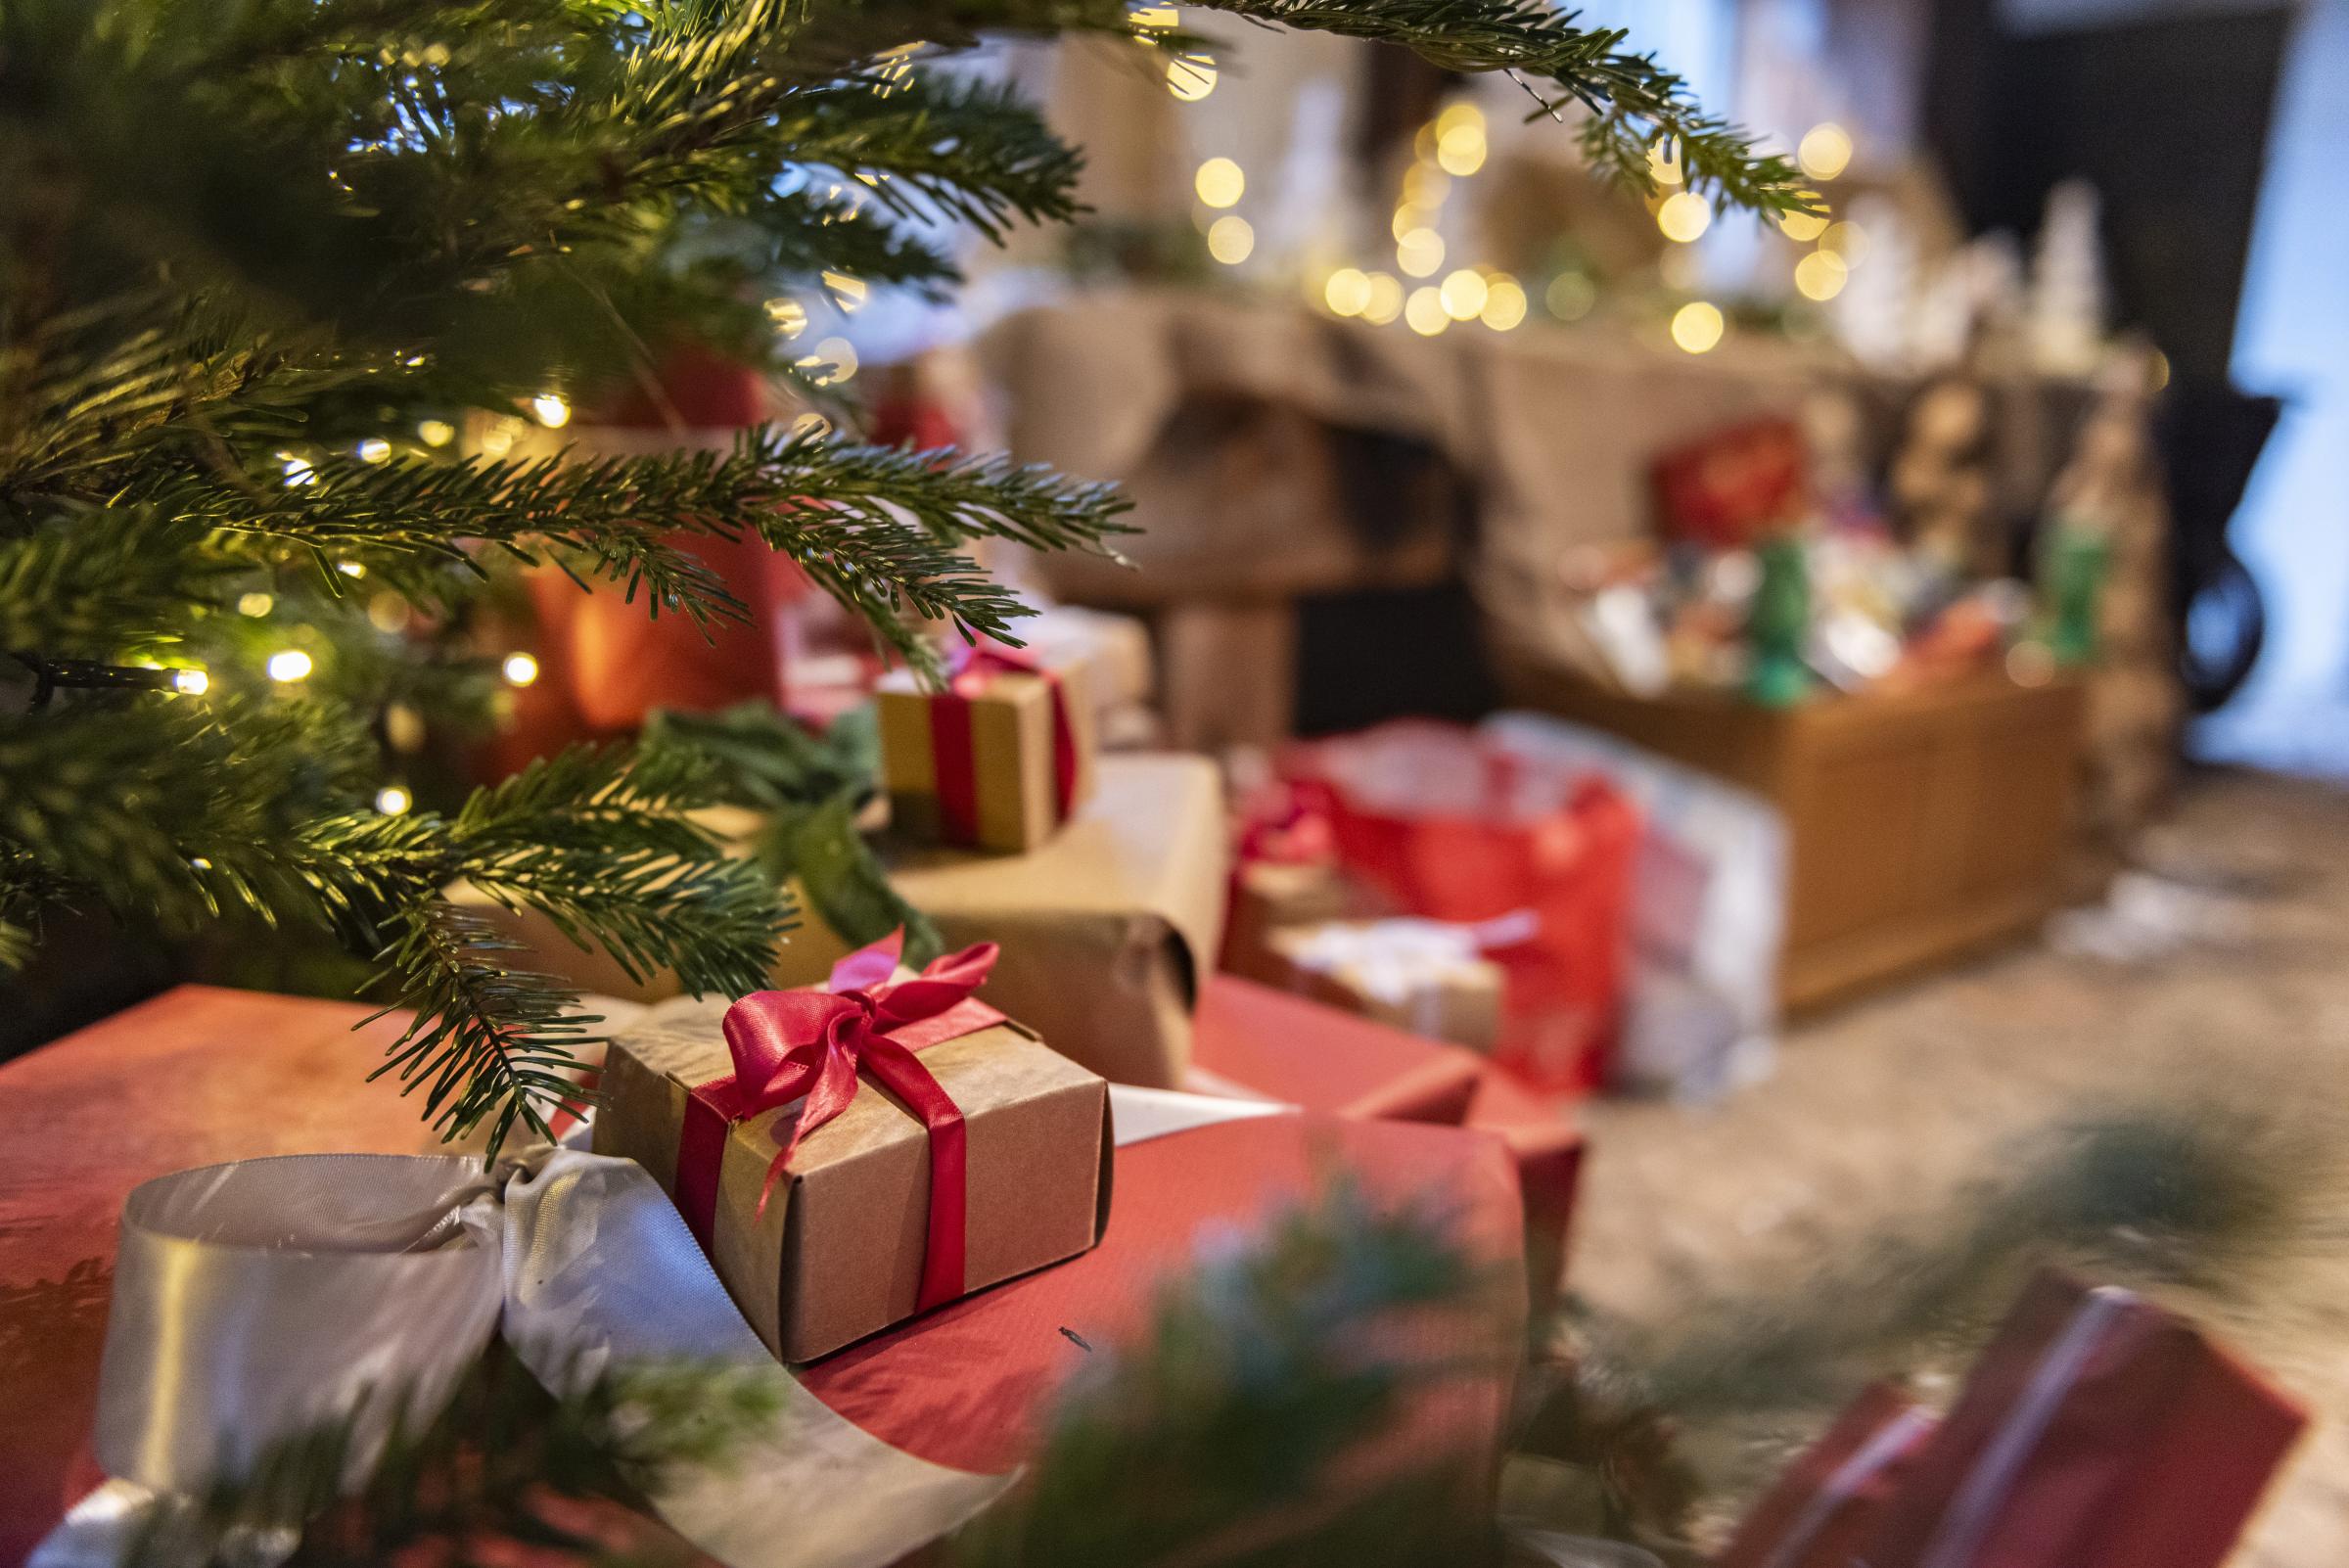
(196, 1076)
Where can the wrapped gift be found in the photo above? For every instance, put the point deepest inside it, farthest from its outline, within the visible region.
(1129, 896)
(1258, 1043)
(995, 761)
(2097, 1431)
(831, 1210)
(1820, 1512)
(1429, 976)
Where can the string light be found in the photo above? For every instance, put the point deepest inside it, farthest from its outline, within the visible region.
(1662, 165)
(1697, 326)
(436, 432)
(1803, 228)
(498, 439)
(1348, 292)
(1408, 218)
(833, 362)
(1220, 182)
(551, 409)
(191, 682)
(1847, 240)
(350, 569)
(846, 292)
(1419, 252)
(1570, 296)
(392, 800)
(787, 316)
(1825, 150)
(1460, 140)
(1504, 303)
(1820, 275)
(521, 669)
(298, 471)
(1191, 78)
(1684, 216)
(1425, 185)
(1153, 18)
(811, 425)
(256, 604)
(1464, 295)
(1229, 240)
(1386, 298)
(374, 450)
(1424, 314)
(288, 664)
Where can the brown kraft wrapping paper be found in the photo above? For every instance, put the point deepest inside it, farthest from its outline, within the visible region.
(838, 1253)
(1009, 780)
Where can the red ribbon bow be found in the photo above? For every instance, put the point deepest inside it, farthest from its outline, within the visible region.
(969, 668)
(814, 1043)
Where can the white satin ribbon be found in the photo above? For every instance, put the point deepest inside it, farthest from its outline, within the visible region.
(257, 1299)
(1982, 1496)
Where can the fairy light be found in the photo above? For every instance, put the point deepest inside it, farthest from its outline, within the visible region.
(1229, 240)
(393, 801)
(351, 568)
(288, 664)
(1825, 150)
(498, 438)
(191, 682)
(551, 409)
(298, 471)
(1386, 298)
(1146, 20)
(1461, 150)
(1425, 184)
(1684, 216)
(1464, 295)
(1820, 275)
(1697, 326)
(787, 316)
(1220, 182)
(1419, 252)
(436, 432)
(1424, 314)
(374, 450)
(1504, 303)
(1803, 228)
(1348, 292)
(1662, 165)
(256, 604)
(1191, 78)
(1408, 218)
(833, 362)
(520, 669)
(846, 292)
(1847, 240)
(1570, 296)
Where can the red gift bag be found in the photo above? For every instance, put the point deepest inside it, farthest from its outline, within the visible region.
(1453, 828)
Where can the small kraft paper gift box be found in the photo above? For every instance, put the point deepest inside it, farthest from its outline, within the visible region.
(1429, 976)
(995, 761)
(852, 1155)
(2097, 1431)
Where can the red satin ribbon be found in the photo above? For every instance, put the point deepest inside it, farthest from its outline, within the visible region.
(970, 667)
(814, 1043)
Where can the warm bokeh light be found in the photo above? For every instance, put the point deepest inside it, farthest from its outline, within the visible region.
(256, 604)
(1802, 227)
(1386, 298)
(1461, 151)
(1191, 78)
(288, 664)
(1504, 303)
(1424, 314)
(551, 409)
(1154, 19)
(1847, 240)
(789, 316)
(191, 682)
(1408, 218)
(1570, 296)
(1697, 326)
(1229, 240)
(392, 800)
(1663, 167)
(1684, 216)
(521, 669)
(1464, 295)
(298, 471)
(847, 291)
(374, 450)
(1348, 292)
(1220, 182)
(1825, 150)
(1425, 185)
(1419, 252)
(831, 361)
(1820, 275)
(435, 433)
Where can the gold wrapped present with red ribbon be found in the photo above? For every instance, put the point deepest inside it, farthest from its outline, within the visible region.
(997, 759)
(881, 1145)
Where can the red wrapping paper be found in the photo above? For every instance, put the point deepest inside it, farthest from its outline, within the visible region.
(970, 1384)
(1821, 1510)
(2154, 1456)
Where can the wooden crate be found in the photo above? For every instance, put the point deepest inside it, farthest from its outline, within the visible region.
(1920, 825)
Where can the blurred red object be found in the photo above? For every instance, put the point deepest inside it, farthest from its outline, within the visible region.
(1451, 828)
(1821, 1510)
(1732, 486)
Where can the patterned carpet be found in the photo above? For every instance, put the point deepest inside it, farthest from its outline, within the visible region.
(1887, 1114)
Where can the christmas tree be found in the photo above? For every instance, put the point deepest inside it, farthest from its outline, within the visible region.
(259, 258)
